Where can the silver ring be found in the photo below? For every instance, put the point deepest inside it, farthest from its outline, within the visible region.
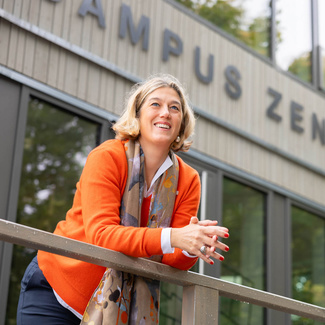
(203, 250)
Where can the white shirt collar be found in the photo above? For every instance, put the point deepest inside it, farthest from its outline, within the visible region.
(165, 165)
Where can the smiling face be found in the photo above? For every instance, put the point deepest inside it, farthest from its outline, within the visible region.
(160, 118)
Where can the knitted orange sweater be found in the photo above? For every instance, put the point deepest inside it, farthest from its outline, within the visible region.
(94, 218)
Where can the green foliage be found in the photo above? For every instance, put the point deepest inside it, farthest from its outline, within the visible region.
(308, 261)
(301, 67)
(170, 304)
(230, 17)
(187, 3)
(243, 213)
(223, 15)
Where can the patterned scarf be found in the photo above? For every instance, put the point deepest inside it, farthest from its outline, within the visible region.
(123, 298)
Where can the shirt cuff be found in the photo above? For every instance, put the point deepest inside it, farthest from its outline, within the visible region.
(165, 241)
(188, 254)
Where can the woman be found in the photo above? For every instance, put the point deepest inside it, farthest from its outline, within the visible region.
(134, 196)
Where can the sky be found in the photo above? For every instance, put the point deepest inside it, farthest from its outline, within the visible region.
(295, 27)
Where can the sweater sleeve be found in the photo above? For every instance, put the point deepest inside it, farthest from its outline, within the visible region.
(186, 206)
(101, 186)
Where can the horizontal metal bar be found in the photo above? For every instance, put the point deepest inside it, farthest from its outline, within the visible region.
(38, 239)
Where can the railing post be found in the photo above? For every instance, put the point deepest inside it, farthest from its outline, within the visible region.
(200, 305)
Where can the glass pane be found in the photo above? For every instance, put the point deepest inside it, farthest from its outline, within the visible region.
(244, 215)
(171, 296)
(55, 150)
(308, 260)
(294, 45)
(247, 20)
(321, 22)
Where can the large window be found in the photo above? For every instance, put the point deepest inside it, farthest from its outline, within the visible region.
(55, 149)
(308, 260)
(279, 29)
(294, 45)
(244, 214)
(170, 304)
(248, 21)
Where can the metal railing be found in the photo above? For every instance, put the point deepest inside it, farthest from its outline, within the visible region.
(200, 293)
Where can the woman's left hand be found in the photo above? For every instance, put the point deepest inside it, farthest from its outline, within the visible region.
(198, 235)
(211, 251)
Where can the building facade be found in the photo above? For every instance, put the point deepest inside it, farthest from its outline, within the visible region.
(259, 144)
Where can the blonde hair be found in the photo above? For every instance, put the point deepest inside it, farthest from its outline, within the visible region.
(128, 126)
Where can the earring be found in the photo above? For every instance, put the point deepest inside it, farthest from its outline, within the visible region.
(178, 139)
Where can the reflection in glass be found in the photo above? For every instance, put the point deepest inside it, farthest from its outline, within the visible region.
(55, 149)
(171, 296)
(308, 261)
(294, 42)
(244, 215)
(247, 20)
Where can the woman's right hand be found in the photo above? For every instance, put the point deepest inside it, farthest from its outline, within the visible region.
(200, 233)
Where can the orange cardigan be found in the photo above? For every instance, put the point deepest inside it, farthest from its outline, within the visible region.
(94, 218)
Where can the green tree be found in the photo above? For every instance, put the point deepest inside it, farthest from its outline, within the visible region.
(230, 17)
(301, 67)
(257, 37)
(308, 262)
(220, 13)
